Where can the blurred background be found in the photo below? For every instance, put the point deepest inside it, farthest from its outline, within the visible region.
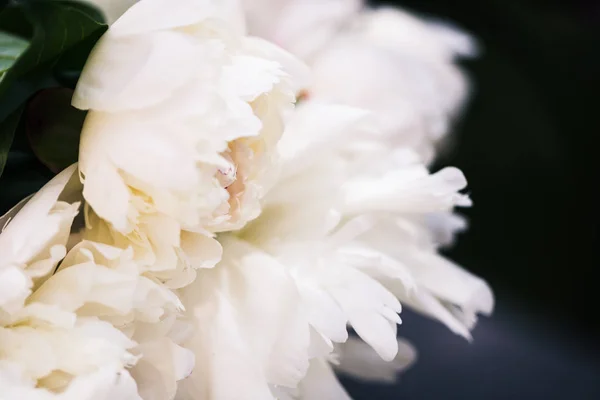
(528, 145)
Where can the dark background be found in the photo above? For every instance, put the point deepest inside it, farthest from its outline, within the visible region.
(528, 146)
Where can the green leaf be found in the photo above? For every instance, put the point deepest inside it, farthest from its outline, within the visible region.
(53, 128)
(7, 134)
(58, 26)
(11, 47)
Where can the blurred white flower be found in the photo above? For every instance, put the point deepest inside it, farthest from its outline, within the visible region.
(392, 197)
(303, 27)
(401, 67)
(311, 264)
(179, 143)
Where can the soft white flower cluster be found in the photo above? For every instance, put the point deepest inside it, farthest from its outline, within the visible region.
(215, 241)
(386, 60)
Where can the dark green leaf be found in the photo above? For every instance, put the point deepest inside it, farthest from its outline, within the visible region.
(53, 127)
(70, 64)
(11, 48)
(58, 26)
(7, 133)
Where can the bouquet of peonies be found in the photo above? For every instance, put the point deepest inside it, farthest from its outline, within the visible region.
(226, 207)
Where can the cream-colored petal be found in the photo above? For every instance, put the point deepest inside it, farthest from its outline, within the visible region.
(321, 383)
(32, 228)
(453, 284)
(15, 286)
(118, 71)
(162, 364)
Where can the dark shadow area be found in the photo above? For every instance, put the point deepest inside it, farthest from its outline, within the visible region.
(515, 355)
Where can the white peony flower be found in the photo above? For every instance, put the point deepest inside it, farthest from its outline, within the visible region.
(327, 228)
(179, 143)
(310, 265)
(300, 26)
(47, 351)
(401, 67)
(62, 329)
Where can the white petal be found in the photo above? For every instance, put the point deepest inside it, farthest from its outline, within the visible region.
(316, 129)
(445, 226)
(14, 288)
(324, 314)
(321, 383)
(371, 309)
(408, 190)
(163, 363)
(105, 384)
(10, 214)
(296, 69)
(221, 352)
(111, 205)
(118, 70)
(102, 289)
(32, 228)
(454, 285)
(274, 335)
(158, 15)
(249, 77)
(202, 251)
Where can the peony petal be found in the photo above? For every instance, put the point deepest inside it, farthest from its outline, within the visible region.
(118, 70)
(297, 70)
(31, 229)
(316, 129)
(248, 77)
(15, 286)
(450, 283)
(163, 363)
(407, 190)
(321, 383)
(201, 250)
(111, 205)
(158, 15)
(220, 352)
